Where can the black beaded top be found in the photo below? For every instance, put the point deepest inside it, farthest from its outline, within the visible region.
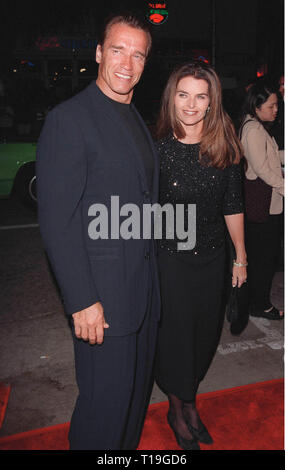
(184, 179)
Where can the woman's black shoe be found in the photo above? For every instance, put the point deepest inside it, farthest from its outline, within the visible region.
(201, 434)
(185, 444)
(271, 314)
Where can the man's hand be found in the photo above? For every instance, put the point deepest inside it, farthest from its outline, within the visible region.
(89, 324)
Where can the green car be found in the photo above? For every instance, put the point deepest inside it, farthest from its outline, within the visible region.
(17, 170)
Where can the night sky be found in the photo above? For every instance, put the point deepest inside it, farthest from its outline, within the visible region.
(249, 33)
(29, 19)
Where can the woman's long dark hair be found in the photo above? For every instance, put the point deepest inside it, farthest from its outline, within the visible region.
(219, 141)
(256, 96)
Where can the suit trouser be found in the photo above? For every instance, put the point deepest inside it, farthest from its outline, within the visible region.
(114, 381)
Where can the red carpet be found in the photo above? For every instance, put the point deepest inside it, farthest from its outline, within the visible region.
(4, 396)
(250, 417)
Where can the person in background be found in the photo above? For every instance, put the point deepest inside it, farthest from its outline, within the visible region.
(277, 128)
(281, 86)
(199, 155)
(264, 192)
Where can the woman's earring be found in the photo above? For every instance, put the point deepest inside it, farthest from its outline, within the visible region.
(208, 109)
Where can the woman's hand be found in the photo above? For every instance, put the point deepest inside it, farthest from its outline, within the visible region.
(235, 225)
(239, 275)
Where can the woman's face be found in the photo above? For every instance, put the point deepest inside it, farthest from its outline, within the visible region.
(268, 110)
(191, 101)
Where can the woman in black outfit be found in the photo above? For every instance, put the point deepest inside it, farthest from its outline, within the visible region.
(199, 154)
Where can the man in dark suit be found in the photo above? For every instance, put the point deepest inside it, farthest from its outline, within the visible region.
(93, 147)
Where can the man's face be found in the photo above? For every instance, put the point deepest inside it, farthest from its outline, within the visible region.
(121, 61)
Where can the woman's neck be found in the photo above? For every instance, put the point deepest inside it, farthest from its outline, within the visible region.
(193, 134)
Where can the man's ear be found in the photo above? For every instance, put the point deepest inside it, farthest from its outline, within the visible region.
(98, 55)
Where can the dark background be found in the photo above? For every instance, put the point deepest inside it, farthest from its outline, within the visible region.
(241, 39)
(35, 343)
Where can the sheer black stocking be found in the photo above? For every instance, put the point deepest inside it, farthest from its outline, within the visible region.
(192, 415)
(176, 410)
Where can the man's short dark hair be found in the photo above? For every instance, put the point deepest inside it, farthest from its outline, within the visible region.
(129, 19)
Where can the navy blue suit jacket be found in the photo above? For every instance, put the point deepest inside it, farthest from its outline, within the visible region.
(85, 155)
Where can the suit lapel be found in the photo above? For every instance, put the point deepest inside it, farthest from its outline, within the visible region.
(154, 154)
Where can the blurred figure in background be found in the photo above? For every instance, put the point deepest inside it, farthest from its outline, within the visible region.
(277, 130)
(281, 86)
(264, 191)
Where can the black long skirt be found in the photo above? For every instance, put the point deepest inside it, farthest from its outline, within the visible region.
(263, 245)
(192, 318)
